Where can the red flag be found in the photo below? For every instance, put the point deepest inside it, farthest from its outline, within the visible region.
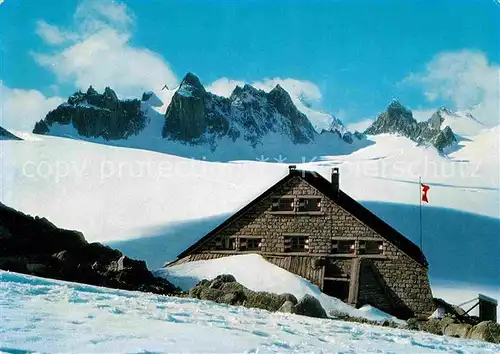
(425, 188)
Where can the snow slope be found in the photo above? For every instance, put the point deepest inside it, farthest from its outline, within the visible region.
(271, 279)
(40, 315)
(152, 205)
(462, 123)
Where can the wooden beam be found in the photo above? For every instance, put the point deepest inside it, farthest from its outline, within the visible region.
(354, 284)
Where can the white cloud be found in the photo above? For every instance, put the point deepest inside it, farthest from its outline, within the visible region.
(466, 79)
(359, 126)
(423, 114)
(20, 109)
(100, 53)
(305, 95)
(224, 86)
(52, 34)
(303, 90)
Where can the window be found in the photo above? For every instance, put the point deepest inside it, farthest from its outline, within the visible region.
(231, 243)
(296, 243)
(310, 204)
(283, 204)
(250, 244)
(227, 244)
(343, 246)
(371, 247)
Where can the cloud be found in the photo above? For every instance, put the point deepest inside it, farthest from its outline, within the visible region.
(465, 79)
(224, 86)
(304, 90)
(22, 108)
(52, 34)
(305, 95)
(98, 52)
(423, 114)
(360, 126)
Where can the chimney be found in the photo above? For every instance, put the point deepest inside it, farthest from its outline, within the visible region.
(335, 180)
(292, 168)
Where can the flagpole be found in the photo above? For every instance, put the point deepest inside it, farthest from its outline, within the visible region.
(420, 199)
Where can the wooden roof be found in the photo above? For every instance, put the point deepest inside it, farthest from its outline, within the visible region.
(340, 198)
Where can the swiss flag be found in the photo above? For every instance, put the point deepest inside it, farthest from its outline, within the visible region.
(425, 188)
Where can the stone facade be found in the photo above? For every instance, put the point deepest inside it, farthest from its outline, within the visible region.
(392, 280)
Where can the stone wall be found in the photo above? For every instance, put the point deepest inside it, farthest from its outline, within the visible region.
(406, 280)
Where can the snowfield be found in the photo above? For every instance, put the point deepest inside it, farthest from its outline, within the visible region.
(152, 206)
(40, 315)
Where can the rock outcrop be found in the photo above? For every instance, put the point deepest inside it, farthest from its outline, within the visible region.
(397, 119)
(33, 245)
(225, 289)
(196, 116)
(6, 135)
(455, 322)
(95, 115)
(486, 331)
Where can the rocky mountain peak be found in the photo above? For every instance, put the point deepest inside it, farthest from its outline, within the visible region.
(397, 119)
(436, 120)
(110, 95)
(444, 110)
(191, 86)
(281, 98)
(195, 116)
(96, 115)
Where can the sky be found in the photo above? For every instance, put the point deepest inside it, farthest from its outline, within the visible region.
(346, 58)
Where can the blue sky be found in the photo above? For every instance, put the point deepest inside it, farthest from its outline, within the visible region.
(358, 54)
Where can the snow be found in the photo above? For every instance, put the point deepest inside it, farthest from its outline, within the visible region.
(53, 316)
(152, 205)
(185, 90)
(462, 123)
(271, 279)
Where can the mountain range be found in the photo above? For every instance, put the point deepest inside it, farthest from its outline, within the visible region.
(190, 121)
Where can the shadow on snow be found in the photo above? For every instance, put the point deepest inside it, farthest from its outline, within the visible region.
(459, 246)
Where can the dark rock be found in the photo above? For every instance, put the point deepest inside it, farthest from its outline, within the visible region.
(359, 136)
(457, 330)
(97, 115)
(347, 137)
(225, 289)
(488, 331)
(6, 135)
(36, 246)
(397, 119)
(196, 116)
(431, 325)
(28, 235)
(445, 321)
(287, 307)
(310, 306)
(445, 138)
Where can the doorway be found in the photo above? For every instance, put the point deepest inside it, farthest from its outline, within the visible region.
(337, 288)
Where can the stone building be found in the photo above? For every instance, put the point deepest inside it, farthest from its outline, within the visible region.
(308, 226)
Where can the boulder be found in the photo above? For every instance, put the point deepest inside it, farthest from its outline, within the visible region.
(458, 330)
(287, 307)
(310, 306)
(225, 289)
(488, 331)
(36, 246)
(445, 321)
(432, 325)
